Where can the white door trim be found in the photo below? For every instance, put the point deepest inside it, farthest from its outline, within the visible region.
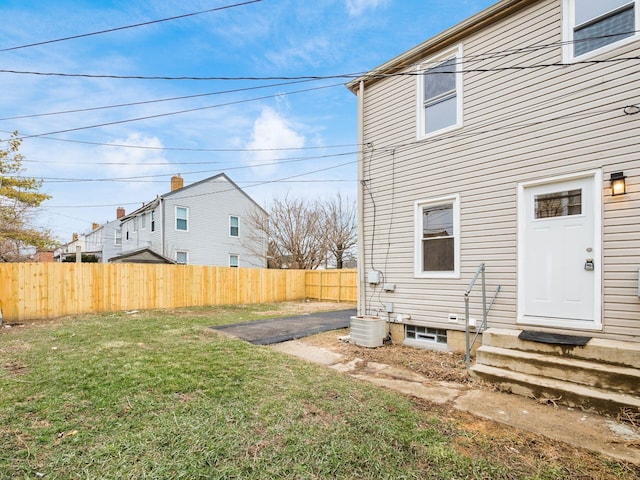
(596, 324)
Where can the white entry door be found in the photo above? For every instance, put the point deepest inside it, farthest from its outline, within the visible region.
(559, 255)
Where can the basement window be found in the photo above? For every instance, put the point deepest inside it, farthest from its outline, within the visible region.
(425, 334)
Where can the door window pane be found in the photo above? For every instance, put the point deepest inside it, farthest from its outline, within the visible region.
(558, 204)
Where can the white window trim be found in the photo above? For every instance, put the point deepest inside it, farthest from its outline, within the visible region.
(238, 257)
(175, 223)
(186, 254)
(568, 21)
(116, 236)
(417, 222)
(143, 221)
(238, 218)
(420, 114)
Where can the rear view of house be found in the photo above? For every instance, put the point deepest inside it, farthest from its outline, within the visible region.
(511, 141)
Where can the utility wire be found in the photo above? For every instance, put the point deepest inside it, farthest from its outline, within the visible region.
(151, 22)
(256, 184)
(364, 75)
(147, 102)
(167, 114)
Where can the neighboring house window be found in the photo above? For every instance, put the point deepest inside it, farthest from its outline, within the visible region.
(233, 226)
(234, 261)
(153, 220)
(440, 94)
(118, 236)
(135, 224)
(182, 257)
(590, 25)
(182, 218)
(127, 233)
(437, 241)
(143, 221)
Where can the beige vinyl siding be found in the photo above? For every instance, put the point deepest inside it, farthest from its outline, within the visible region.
(518, 126)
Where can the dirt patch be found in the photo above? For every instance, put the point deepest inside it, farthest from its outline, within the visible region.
(307, 306)
(519, 450)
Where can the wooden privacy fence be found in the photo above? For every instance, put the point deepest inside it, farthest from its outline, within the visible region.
(334, 285)
(48, 290)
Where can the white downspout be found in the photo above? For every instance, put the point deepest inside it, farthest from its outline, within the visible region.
(361, 269)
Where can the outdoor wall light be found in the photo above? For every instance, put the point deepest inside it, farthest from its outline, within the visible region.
(618, 184)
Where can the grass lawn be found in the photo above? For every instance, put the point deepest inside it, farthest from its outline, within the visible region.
(159, 395)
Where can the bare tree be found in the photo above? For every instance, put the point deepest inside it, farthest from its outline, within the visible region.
(295, 233)
(339, 224)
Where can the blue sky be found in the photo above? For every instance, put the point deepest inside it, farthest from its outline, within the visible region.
(296, 138)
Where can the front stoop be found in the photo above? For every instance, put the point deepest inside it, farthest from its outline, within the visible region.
(603, 376)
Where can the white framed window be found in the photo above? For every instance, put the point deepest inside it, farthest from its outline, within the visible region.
(182, 257)
(117, 236)
(439, 86)
(234, 261)
(595, 26)
(182, 219)
(234, 226)
(153, 220)
(135, 224)
(437, 237)
(143, 221)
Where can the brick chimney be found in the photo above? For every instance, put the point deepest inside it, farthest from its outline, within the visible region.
(176, 182)
(119, 212)
(94, 226)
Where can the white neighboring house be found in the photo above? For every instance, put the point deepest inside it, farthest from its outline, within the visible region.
(205, 223)
(104, 241)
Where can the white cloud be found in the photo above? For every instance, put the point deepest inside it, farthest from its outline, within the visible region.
(271, 131)
(356, 7)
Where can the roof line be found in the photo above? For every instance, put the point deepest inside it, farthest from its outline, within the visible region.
(442, 40)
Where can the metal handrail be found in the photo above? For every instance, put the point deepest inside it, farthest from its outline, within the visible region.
(485, 310)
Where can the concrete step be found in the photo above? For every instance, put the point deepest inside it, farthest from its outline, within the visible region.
(548, 389)
(604, 376)
(612, 352)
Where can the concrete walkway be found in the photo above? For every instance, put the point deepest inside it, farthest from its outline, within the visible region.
(586, 430)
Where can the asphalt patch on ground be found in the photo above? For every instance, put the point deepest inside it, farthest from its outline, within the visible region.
(283, 329)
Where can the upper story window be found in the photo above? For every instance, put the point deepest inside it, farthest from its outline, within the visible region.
(118, 236)
(592, 25)
(440, 94)
(437, 241)
(182, 218)
(143, 221)
(153, 220)
(234, 226)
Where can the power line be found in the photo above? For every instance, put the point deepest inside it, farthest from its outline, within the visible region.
(369, 75)
(147, 102)
(138, 177)
(151, 22)
(167, 114)
(255, 184)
